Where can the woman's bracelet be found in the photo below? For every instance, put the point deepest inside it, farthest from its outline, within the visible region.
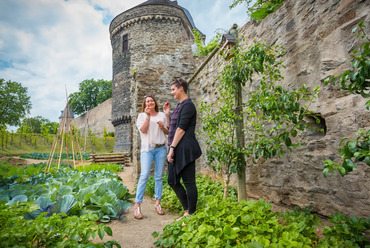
(171, 146)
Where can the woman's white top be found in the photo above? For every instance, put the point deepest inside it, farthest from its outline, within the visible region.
(154, 135)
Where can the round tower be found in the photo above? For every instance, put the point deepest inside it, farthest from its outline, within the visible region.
(151, 44)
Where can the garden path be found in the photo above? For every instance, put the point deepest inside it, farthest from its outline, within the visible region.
(133, 233)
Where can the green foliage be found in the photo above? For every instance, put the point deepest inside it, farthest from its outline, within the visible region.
(356, 81)
(58, 230)
(24, 172)
(14, 102)
(272, 115)
(114, 168)
(346, 232)
(227, 223)
(45, 156)
(202, 49)
(259, 9)
(206, 187)
(34, 124)
(91, 93)
(20, 144)
(100, 194)
(303, 218)
(352, 152)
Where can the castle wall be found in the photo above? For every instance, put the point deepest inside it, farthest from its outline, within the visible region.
(96, 119)
(317, 38)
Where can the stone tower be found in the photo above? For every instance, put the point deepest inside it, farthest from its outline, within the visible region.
(151, 44)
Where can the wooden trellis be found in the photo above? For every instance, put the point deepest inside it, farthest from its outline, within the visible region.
(65, 137)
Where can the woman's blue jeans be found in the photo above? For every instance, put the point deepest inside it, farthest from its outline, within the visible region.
(146, 158)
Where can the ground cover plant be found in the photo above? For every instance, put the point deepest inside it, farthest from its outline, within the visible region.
(58, 230)
(61, 209)
(45, 156)
(206, 186)
(228, 223)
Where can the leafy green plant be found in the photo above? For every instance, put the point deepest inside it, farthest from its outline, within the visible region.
(45, 156)
(205, 49)
(304, 219)
(114, 168)
(259, 9)
(58, 230)
(206, 187)
(351, 153)
(346, 232)
(97, 193)
(227, 223)
(269, 119)
(356, 81)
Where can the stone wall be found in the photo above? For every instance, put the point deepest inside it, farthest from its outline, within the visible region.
(317, 37)
(96, 119)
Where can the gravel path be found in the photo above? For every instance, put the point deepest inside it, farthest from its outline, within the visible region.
(133, 233)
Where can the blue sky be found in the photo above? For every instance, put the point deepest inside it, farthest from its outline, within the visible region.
(52, 45)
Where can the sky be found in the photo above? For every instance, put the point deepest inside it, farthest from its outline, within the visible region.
(50, 46)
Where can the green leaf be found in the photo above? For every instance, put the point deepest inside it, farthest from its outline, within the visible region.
(101, 233)
(108, 230)
(64, 204)
(294, 133)
(367, 160)
(342, 171)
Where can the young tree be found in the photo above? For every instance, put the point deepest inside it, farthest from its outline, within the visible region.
(91, 93)
(34, 123)
(14, 102)
(271, 115)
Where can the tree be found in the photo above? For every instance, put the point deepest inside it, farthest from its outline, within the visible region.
(259, 9)
(271, 115)
(91, 93)
(38, 124)
(14, 102)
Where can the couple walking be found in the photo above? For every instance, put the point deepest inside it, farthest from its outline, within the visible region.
(182, 152)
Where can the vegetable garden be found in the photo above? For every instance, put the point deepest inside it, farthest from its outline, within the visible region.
(60, 209)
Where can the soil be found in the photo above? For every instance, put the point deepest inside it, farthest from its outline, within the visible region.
(133, 233)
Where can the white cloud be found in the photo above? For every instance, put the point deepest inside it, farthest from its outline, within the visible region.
(48, 45)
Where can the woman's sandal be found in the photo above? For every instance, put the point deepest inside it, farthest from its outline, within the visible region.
(137, 213)
(158, 209)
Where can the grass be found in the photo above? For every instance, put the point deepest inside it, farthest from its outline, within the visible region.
(13, 144)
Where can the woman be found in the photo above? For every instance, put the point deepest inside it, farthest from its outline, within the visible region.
(184, 148)
(152, 128)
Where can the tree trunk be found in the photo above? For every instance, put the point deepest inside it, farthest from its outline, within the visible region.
(242, 192)
(226, 185)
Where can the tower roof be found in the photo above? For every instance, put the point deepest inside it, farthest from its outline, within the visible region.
(172, 4)
(69, 114)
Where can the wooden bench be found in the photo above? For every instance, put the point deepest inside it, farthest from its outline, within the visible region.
(118, 158)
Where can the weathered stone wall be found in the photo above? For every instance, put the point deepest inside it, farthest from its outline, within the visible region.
(160, 39)
(96, 119)
(317, 37)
